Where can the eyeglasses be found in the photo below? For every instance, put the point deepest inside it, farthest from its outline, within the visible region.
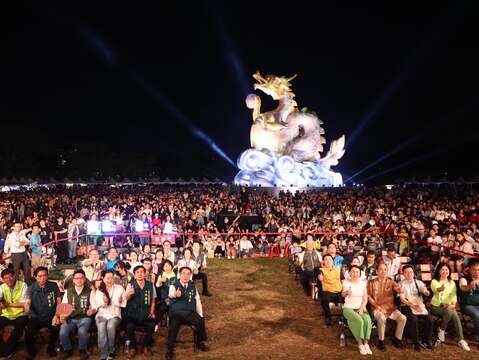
(79, 278)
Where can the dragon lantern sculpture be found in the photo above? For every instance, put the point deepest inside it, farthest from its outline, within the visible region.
(286, 142)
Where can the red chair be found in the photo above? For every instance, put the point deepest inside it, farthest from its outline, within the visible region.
(274, 250)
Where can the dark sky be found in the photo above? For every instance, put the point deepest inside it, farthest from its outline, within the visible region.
(119, 88)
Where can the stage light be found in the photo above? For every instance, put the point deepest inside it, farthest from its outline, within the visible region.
(93, 227)
(139, 225)
(397, 167)
(230, 51)
(385, 156)
(107, 226)
(385, 96)
(111, 58)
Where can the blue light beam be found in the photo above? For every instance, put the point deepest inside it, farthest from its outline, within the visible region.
(111, 58)
(384, 157)
(397, 167)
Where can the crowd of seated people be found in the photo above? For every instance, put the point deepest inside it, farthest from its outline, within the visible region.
(112, 297)
(378, 287)
(151, 232)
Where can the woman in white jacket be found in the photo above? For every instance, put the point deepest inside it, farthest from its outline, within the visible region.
(109, 300)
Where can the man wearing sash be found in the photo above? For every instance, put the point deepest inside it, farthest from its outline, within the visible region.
(185, 308)
(140, 310)
(44, 296)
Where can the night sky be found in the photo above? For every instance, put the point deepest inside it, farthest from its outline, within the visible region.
(104, 89)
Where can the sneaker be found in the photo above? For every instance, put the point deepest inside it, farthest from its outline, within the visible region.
(111, 356)
(398, 343)
(368, 349)
(362, 350)
(441, 335)
(381, 345)
(417, 347)
(464, 346)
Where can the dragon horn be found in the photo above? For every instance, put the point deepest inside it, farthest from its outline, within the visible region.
(292, 77)
(258, 77)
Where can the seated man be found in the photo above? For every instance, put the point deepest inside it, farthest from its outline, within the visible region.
(80, 297)
(185, 308)
(14, 305)
(330, 278)
(419, 321)
(140, 295)
(93, 266)
(469, 286)
(44, 296)
(370, 266)
(200, 259)
(381, 296)
(310, 261)
(392, 261)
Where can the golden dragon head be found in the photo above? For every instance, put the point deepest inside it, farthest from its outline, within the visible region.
(274, 86)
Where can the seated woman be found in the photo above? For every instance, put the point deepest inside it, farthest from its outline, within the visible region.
(109, 301)
(188, 261)
(444, 302)
(133, 260)
(220, 247)
(158, 261)
(355, 300)
(231, 247)
(166, 278)
(355, 262)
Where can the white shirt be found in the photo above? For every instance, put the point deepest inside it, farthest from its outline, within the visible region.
(199, 307)
(393, 265)
(116, 303)
(358, 290)
(191, 264)
(409, 289)
(13, 242)
(245, 245)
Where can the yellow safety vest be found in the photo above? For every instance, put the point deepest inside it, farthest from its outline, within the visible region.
(13, 313)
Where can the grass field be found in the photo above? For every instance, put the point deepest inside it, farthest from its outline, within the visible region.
(258, 311)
